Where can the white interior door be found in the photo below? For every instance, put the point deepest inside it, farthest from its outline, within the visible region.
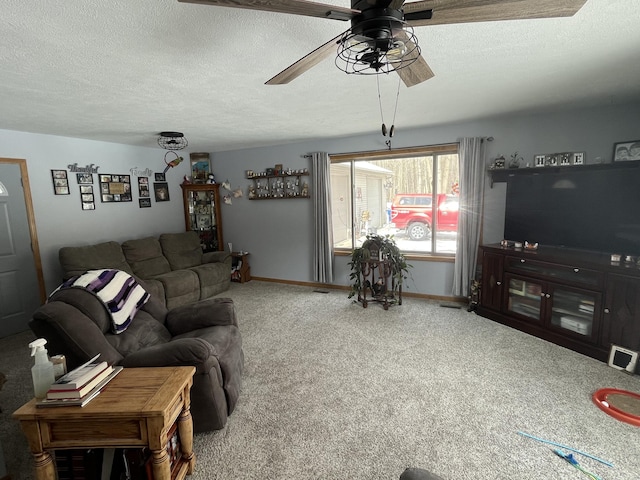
(19, 287)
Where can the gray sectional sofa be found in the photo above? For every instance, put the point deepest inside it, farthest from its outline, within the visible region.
(172, 268)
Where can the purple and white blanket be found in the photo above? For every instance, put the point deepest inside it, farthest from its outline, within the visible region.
(119, 292)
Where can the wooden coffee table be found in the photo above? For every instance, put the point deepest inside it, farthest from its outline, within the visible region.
(136, 409)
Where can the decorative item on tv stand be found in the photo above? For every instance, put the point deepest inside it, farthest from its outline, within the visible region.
(278, 183)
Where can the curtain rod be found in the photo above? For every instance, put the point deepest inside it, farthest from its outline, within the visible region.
(488, 139)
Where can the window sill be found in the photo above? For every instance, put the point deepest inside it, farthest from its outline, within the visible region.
(423, 257)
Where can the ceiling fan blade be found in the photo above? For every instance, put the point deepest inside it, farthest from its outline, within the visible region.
(418, 71)
(467, 11)
(295, 7)
(396, 4)
(305, 63)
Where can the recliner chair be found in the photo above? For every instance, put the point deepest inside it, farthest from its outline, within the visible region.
(204, 334)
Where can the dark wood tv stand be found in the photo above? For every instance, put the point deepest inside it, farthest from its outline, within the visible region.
(577, 299)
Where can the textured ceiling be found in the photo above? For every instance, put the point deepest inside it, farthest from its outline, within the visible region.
(124, 70)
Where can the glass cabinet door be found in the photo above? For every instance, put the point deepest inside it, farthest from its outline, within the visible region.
(202, 214)
(574, 311)
(201, 210)
(524, 298)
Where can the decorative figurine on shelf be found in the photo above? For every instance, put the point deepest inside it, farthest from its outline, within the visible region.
(305, 190)
(499, 162)
(515, 160)
(252, 191)
(211, 179)
(186, 180)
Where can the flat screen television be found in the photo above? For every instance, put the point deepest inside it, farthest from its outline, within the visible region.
(595, 209)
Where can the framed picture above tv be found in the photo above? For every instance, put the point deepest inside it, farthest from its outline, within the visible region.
(625, 151)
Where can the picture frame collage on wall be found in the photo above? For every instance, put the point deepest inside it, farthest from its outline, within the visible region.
(115, 188)
(143, 192)
(161, 188)
(60, 182)
(85, 184)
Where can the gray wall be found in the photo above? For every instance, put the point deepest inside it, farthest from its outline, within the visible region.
(279, 233)
(59, 218)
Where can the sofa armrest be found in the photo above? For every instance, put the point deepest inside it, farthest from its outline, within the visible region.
(216, 257)
(183, 351)
(205, 313)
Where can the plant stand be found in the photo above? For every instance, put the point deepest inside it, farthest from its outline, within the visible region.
(377, 276)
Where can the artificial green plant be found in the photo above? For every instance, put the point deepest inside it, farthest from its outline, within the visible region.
(388, 250)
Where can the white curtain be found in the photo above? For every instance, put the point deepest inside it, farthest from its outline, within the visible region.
(472, 180)
(323, 235)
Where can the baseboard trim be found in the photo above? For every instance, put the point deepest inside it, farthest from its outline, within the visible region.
(347, 288)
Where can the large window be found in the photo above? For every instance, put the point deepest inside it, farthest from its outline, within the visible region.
(411, 194)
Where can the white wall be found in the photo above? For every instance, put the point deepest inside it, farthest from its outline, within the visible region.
(279, 233)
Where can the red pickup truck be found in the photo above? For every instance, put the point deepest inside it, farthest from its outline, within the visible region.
(413, 213)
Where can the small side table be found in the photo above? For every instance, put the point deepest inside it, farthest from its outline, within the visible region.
(241, 269)
(136, 409)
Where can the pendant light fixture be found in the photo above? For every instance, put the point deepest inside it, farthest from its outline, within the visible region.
(172, 140)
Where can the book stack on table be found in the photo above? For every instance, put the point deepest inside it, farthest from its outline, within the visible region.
(81, 385)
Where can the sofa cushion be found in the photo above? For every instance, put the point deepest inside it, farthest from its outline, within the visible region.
(145, 257)
(182, 250)
(180, 287)
(77, 260)
(214, 278)
(144, 331)
(155, 288)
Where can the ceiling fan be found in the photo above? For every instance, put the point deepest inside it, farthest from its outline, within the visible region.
(381, 37)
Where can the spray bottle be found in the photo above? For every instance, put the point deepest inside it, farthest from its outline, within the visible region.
(42, 371)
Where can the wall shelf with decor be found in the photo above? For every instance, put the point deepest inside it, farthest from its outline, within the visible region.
(277, 183)
(202, 214)
(503, 174)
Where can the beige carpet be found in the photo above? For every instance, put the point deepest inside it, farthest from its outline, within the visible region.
(335, 391)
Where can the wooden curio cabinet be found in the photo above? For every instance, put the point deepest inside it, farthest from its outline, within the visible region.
(202, 214)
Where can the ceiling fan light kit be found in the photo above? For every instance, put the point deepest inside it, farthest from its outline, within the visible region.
(377, 47)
